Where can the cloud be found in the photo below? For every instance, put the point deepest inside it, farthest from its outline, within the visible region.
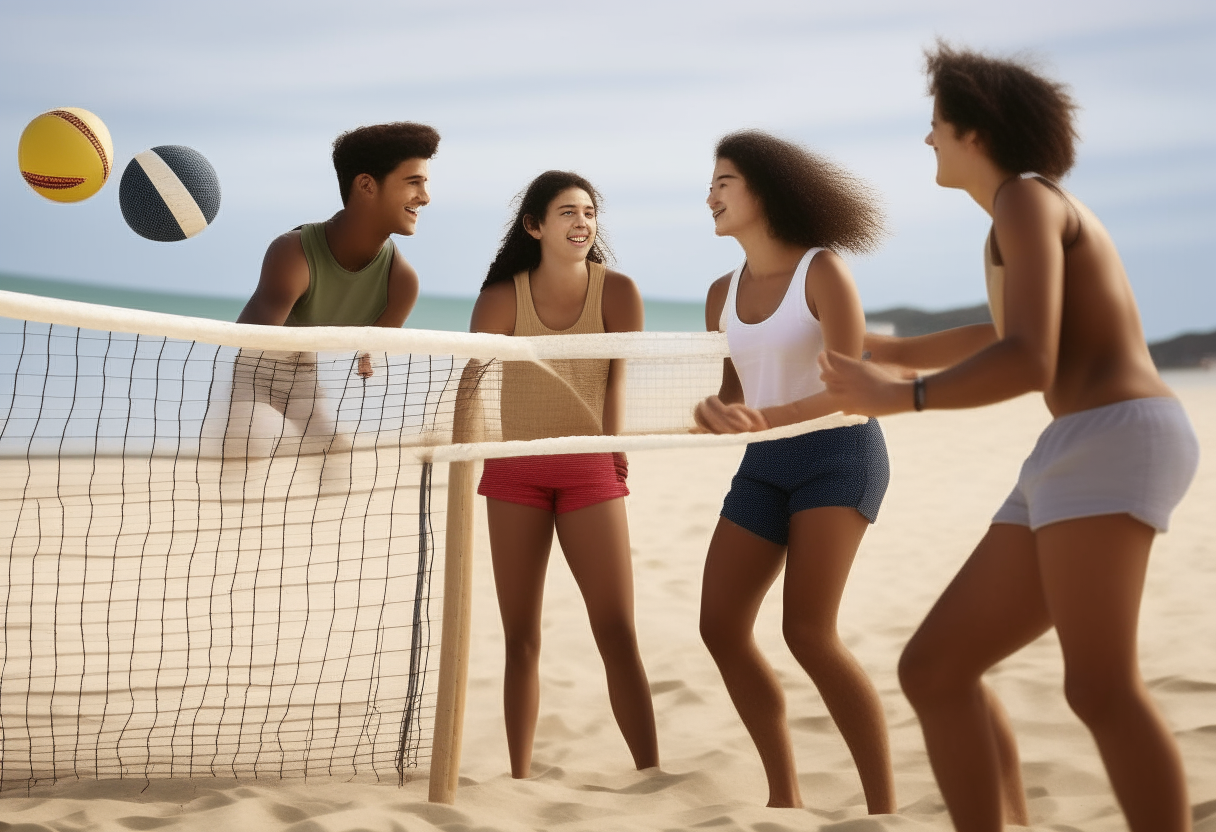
(633, 96)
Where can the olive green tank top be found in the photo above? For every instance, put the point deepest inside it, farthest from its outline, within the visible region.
(336, 297)
(560, 396)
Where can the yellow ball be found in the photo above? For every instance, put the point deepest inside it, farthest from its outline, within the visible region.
(66, 154)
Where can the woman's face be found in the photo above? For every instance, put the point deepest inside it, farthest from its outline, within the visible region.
(568, 229)
(953, 150)
(735, 208)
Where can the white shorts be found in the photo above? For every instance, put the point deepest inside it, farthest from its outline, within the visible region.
(1134, 457)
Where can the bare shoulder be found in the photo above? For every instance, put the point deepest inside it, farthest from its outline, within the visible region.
(1027, 201)
(715, 301)
(402, 270)
(622, 303)
(285, 251)
(283, 281)
(403, 278)
(402, 291)
(827, 265)
(830, 288)
(494, 310)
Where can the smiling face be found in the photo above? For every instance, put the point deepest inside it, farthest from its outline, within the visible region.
(568, 229)
(401, 194)
(735, 208)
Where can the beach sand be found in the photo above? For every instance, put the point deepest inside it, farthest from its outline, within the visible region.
(949, 473)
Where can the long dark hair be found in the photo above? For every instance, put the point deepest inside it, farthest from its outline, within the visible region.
(519, 250)
(808, 200)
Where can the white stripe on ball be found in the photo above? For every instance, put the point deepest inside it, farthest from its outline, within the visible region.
(181, 204)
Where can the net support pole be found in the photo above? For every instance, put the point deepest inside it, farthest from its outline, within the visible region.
(454, 649)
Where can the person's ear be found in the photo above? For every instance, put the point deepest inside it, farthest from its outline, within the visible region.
(366, 185)
(975, 141)
(532, 226)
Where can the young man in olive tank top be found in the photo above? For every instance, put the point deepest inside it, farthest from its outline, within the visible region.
(345, 271)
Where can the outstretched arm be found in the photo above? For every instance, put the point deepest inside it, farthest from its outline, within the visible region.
(930, 352)
(1029, 224)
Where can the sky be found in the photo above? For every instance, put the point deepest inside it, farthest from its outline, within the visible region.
(633, 95)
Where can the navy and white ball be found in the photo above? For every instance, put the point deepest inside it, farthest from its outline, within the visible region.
(169, 193)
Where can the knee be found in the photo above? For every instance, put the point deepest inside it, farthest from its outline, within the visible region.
(1097, 700)
(926, 676)
(814, 645)
(720, 635)
(616, 639)
(523, 648)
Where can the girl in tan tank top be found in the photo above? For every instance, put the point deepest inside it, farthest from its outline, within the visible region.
(548, 278)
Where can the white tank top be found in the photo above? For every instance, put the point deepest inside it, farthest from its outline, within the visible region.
(776, 358)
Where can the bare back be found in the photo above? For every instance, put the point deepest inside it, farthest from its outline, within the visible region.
(1101, 354)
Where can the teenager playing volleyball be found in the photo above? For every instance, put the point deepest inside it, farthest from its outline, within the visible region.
(548, 278)
(1069, 547)
(344, 271)
(805, 502)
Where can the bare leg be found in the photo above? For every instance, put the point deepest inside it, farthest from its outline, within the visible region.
(520, 538)
(1093, 575)
(823, 543)
(1013, 793)
(739, 570)
(993, 607)
(595, 541)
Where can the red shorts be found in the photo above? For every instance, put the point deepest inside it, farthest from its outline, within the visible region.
(557, 483)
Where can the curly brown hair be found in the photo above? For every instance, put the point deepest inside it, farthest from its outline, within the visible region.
(1026, 121)
(519, 250)
(378, 148)
(808, 200)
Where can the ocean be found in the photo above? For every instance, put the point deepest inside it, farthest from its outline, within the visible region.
(431, 312)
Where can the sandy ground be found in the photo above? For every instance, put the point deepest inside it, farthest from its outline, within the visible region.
(950, 471)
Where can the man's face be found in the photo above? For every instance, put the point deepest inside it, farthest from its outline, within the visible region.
(402, 193)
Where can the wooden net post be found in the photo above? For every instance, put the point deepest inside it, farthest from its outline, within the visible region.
(457, 596)
(454, 649)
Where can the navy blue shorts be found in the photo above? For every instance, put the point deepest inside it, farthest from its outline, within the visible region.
(839, 467)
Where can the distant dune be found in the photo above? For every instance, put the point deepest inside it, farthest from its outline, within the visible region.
(452, 314)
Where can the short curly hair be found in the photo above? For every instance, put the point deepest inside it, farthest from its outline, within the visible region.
(1025, 121)
(807, 200)
(377, 150)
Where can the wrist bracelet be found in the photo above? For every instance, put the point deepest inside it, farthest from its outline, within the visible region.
(918, 393)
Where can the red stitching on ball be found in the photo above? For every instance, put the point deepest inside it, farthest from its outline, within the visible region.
(52, 183)
(78, 123)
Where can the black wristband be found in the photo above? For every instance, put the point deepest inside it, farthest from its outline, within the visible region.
(918, 393)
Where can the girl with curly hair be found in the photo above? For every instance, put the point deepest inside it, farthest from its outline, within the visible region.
(1069, 547)
(801, 503)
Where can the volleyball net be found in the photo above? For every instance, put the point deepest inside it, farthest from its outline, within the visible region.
(232, 550)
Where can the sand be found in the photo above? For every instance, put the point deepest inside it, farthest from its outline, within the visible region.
(950, 471)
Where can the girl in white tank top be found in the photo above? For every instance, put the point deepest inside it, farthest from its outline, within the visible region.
(771, 356)
(801, 503)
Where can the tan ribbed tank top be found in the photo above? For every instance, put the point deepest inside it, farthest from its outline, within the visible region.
(560, 396)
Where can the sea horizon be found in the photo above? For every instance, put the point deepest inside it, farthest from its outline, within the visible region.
(438, 312)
